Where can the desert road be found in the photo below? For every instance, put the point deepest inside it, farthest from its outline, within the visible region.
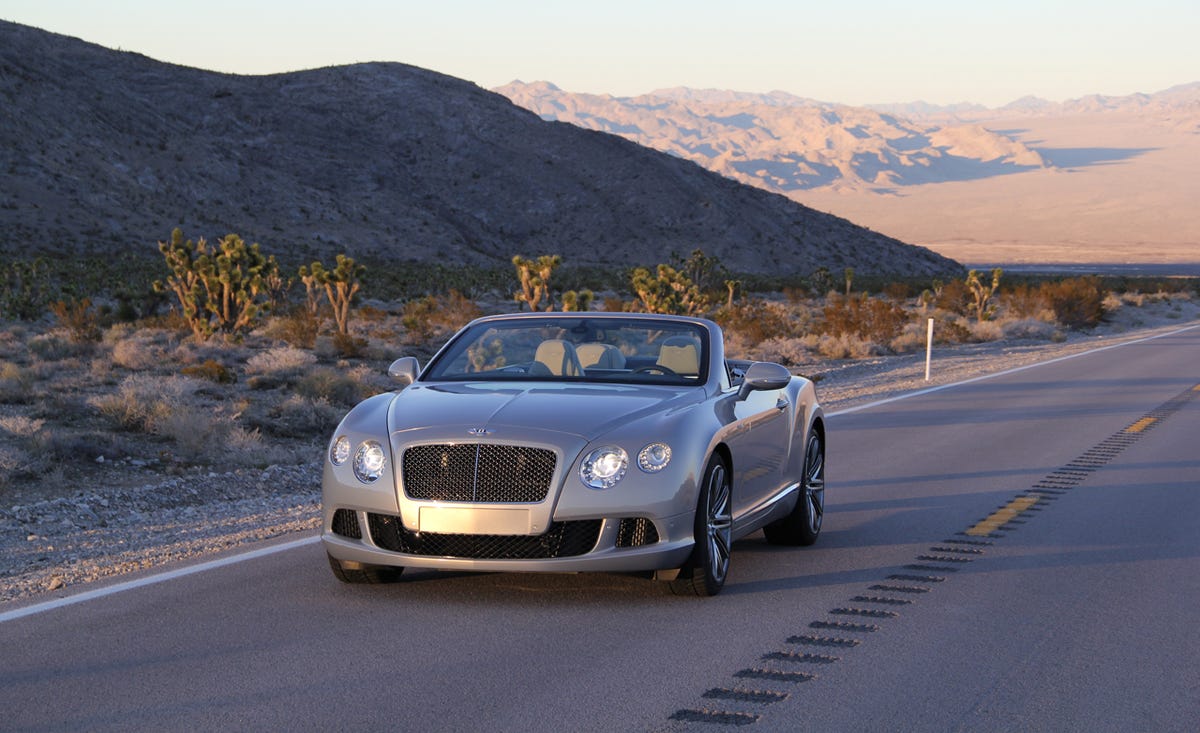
(1017, 553)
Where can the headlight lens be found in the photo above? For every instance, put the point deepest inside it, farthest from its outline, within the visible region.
(368, 462)
(604, 467)
(654, 457)
(340, 452)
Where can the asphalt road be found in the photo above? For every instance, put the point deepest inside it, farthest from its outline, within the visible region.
(1014, 554)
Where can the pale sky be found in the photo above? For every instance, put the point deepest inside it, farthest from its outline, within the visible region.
(848, 51)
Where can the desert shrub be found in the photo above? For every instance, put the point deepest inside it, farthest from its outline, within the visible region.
(1077, 302)
(846, 346)
(142, 401)
(348, 346)
(613, 304)
(911, 339)
(281, 361)
(25, 288)
(15, 383)
(786, 351)
(757, 320)
(16, 463)
(983, 331)
(1023, 301)
(949, 329)
(298, 327)
(953, 297)
(436, 316)
(331, 385)
(52, 347)
(20, 426)
(899, 291)
(212, 370)
(141, 349)
(79, 318)
(1030, 328)
(301, 417)
(869, 319)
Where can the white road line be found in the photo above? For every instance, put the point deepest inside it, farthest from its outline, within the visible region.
(152, 579)
(1014, 370)
(234, 559)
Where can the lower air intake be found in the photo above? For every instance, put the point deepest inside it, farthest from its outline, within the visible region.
(562, 539)
(345, 524)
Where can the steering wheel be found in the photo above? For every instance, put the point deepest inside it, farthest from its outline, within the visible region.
(666, 371)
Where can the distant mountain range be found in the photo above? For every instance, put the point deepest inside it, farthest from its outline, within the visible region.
(786, 143)
(1108, 179)
(104, 151)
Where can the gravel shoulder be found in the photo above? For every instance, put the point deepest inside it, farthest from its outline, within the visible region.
(51, 547)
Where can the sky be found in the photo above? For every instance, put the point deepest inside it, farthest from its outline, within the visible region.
(848, 51)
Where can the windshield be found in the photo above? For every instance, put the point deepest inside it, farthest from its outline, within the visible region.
(587, 349)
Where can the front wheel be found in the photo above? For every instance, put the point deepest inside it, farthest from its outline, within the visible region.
(803, 524)
(704, 574)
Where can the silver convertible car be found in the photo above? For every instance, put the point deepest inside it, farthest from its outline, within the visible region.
(564, 442)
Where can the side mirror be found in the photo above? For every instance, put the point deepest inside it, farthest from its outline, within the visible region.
(763, 375)
(404, 370)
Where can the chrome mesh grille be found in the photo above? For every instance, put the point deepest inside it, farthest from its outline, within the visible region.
(478, 472)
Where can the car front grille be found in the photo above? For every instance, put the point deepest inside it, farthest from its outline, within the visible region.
(478, 472)
(562, 539)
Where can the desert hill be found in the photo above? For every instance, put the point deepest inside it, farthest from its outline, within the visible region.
(1097, 179)
(106, 151)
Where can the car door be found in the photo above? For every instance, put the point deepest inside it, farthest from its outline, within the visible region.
(758, 445)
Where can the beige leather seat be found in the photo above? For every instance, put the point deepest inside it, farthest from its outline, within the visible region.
(600, 356)
(558, 357)
(680, 354)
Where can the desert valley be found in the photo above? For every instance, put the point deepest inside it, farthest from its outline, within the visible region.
(1095, 180)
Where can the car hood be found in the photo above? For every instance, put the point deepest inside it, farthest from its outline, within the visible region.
(584, 410)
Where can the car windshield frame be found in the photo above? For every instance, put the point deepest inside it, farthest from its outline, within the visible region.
(593, 348)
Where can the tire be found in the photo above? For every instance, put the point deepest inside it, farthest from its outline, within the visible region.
(803, 525)
(373, 574)
(706, 570)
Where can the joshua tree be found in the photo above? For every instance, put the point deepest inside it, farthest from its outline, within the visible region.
(222, 288)
(981, 294)
(340, 285)
(535, 279)
(669, 291)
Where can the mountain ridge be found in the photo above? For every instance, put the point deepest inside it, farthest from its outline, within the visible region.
(106, 151)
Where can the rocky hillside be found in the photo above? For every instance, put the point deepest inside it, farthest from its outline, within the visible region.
(107, 151)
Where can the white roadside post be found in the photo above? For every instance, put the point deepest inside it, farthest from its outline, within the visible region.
(928, 349)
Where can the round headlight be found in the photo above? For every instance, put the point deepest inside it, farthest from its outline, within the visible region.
(654, 457)
(368, 462)
(339, 453)
(604, 467)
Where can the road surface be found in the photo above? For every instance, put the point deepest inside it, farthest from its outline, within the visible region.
(1018, 553)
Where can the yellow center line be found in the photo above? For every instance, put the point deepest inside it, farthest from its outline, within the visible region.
(1002, 515)
(1196, 388)
(1141, 425)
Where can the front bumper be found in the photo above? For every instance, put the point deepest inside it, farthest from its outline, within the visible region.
(565, 547)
